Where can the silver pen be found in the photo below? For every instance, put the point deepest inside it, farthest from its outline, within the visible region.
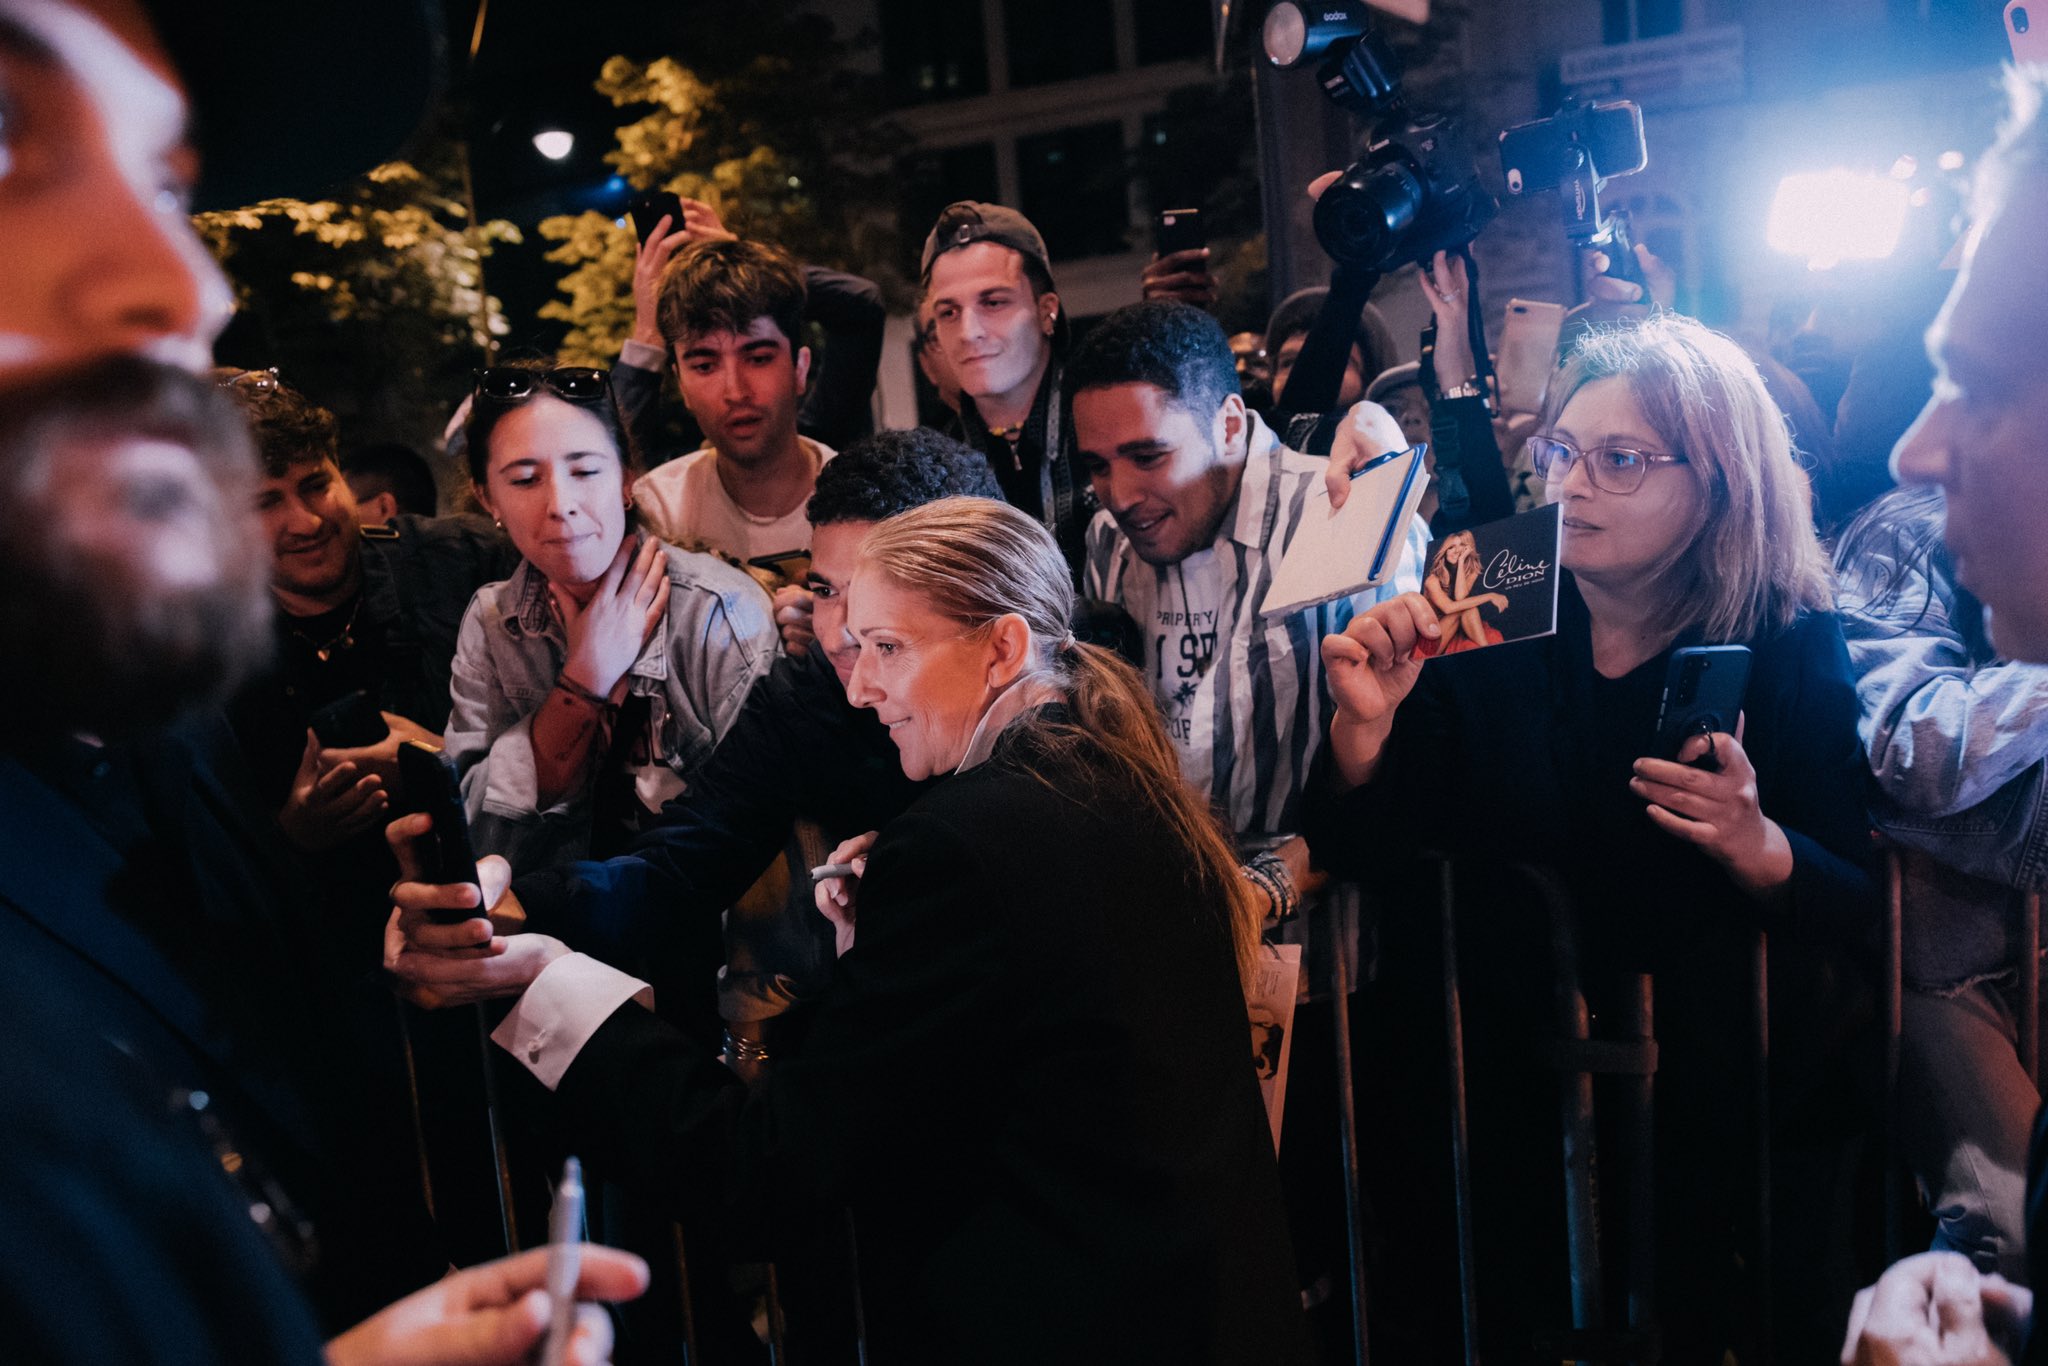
(565, 1262)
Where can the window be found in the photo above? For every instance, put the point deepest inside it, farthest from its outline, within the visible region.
(1059, 40)
(1173, 30)
(933, 50)
(1073, 187)
(938, 177)
(1626, 21)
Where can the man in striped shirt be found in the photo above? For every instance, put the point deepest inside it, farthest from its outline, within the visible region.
(1199, 499)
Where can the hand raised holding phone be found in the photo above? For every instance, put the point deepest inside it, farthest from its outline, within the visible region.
(457, 942)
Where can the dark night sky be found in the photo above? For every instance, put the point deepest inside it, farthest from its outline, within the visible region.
(534, 71)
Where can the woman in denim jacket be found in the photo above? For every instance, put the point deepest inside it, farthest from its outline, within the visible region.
(592, 682)
(1957, 740)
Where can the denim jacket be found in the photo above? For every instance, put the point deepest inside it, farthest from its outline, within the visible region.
(717, 638)
(1958, 749)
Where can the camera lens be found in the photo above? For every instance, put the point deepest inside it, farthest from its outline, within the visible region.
(2019, 20)
(1360, 219)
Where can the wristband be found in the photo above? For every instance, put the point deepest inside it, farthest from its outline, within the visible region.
(583, 694)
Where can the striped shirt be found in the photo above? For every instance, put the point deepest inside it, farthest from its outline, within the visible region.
(1243, 699)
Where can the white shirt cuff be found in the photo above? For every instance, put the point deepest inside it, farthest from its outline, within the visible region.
(641, 356)
(561, 1009)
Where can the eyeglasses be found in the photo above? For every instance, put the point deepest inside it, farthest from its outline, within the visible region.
(583, 382)
(1613, 469)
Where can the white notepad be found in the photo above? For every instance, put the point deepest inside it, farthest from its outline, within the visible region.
(1341, 551)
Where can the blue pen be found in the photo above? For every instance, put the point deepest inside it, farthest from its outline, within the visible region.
(1392, 534)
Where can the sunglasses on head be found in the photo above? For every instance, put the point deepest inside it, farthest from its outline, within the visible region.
(248, 381)
(568, 381)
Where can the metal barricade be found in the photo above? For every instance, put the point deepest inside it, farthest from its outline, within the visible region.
(1630, 1059)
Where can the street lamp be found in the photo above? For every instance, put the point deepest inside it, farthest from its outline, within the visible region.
(554, 143)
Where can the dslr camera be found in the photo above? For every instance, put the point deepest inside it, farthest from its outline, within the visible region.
(1416, 190)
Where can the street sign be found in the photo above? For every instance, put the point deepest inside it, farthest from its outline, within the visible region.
(1698, 67)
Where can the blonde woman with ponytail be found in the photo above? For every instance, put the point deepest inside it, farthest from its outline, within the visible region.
(1037, 1054)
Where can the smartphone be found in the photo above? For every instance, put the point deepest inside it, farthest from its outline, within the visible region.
(649, 208)
(1178, 230)
(2029, 40)
(1533, 155)
(1703, 688)
(428, 782)
(349, 722)
(788, 565)
(1528, 354)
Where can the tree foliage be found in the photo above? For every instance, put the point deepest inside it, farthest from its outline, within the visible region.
(373, 302)
(770, 124)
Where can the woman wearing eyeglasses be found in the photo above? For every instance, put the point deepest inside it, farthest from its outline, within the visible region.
(590, 683)
(1687, 521)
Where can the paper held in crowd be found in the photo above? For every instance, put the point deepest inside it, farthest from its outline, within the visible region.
(1336, 552)
(1495, 583)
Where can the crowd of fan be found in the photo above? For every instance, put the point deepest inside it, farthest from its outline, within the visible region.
(982, 1094)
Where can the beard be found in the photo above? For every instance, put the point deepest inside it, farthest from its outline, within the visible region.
(99, 650)
(106, 633)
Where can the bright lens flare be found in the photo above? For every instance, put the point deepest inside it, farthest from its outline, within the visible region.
(555, 143)
(1833, 216)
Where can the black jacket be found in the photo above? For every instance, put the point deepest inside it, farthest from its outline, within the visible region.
(798, 749)
(1042, 473)
(419, 574)
(1029, 1080)
(122, 1238)
(168, 914)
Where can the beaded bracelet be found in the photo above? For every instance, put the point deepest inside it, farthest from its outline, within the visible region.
(1269, 871)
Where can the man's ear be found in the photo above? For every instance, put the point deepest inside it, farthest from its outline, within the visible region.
(378, 509)
(1048, 312)
(1231, 428)
(1009, 639)
(803, 369)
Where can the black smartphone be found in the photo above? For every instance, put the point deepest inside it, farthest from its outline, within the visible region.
(1703, 688)
(428, 782)
(1178, 230)
(349, 722)
(1536, 156)
(789, 565)
(649, 209)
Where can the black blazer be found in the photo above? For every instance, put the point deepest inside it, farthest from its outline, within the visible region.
(176, 926)
(1030, 1080)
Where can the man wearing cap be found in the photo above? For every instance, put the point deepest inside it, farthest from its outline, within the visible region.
(988, 283)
